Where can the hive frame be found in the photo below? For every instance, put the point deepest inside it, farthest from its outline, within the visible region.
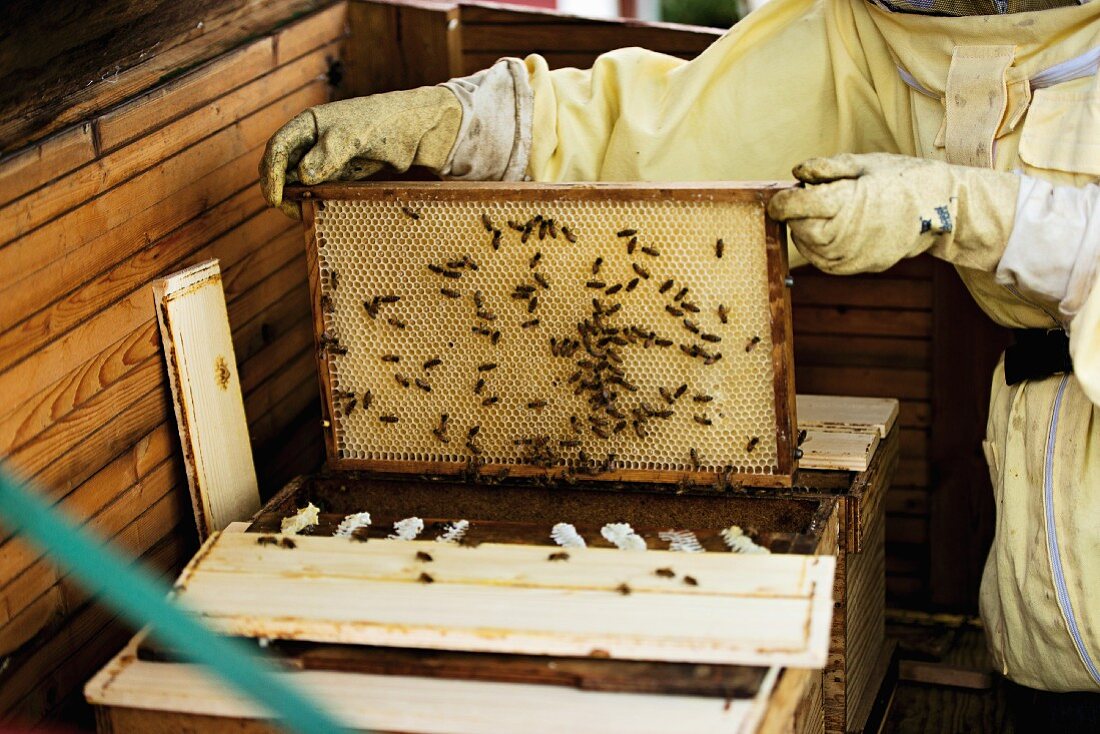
(778, 291)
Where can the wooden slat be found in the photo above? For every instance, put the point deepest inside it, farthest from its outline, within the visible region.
(837, 450)
(110, 170)
(26, 170)
(206, 391)
(780, 603)
(396, 703)
(847, 413)
(129, 207)
(861, 321)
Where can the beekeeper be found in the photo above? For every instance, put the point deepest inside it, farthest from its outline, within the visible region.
(912, 113)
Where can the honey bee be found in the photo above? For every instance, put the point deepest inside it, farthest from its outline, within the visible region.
(680, 391)
(553, 228)
(390, 299)
(665, 573)
(689, 306)
(690, 581)
(559, 556)
(542, 281)
(396, 322)
(424, 557)
(569, 235)
(479, 386)
(287, 543)
(497, 234)
(388, 418)
(536, 404)
(801, 437)
(595, 284)
(515, 225)
(532, 304)
(491, 400)
(425, 579)
(713, 338)
(612, 290)
(596, 265)
(410, 213)
(680, 294)
(391, 358)
(673, 310)
(534, 261)
(422, 385)
(752, 444)
(626, 233)
(486, 222)
(529, 324)
(449, 293)
(702, 420)
(474, 430)
(723, 314)
(652, 252)
(719, 248)
(267, 540)
(326, 304)
(751, 343)
(544, 225)
(433, 362)
(702, 398)
(642, 272)
(487, 367)
(368, 398)
(333, 279)
(691, 326)
(486, 315)
(631, 245)
(401, 379)
(474, 448)
(663, 342)
(452, 274)
(623, 589)
(665, 286)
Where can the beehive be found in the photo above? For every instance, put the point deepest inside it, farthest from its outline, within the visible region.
(629, 332)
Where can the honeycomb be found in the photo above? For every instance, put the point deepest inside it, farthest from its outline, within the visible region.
(475, 353)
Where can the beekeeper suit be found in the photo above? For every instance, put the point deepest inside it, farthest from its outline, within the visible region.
(943, 107)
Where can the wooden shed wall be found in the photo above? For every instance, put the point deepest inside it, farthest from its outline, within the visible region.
(899, 334)
(147, 182)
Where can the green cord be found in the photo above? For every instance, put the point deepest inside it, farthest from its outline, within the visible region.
(138, 597)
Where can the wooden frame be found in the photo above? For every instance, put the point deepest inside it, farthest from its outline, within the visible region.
(779, 304)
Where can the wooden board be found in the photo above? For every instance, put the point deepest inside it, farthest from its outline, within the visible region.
(206, 391)
(736, 419)
(740, 610)
(137, 695)
(837, 450)
(835, 413)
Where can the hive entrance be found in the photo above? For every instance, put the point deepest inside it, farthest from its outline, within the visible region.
(534, 328)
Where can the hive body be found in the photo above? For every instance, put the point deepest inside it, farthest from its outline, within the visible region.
(498, 347)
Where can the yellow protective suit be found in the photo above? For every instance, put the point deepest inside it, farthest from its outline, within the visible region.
(802, 78)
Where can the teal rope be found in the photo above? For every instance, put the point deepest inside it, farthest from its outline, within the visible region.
(138, 597)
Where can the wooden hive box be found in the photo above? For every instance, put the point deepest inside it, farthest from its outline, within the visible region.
(507, 497)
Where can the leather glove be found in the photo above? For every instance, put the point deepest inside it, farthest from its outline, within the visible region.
(354, 138)
(864, 213)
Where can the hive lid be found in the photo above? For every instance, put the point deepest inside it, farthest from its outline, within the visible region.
(630, 332)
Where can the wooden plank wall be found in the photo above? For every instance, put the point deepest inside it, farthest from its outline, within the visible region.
(896, 334)
(91, 216)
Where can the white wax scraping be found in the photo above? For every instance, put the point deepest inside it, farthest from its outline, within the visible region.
(455, 532)
(407, 529)
(738, 542)
(565, 535)
(622, 536)
(305, 518)
(351, 523)
(683, 541)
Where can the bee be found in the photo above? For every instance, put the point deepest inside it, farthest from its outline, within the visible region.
(396, 322)
(632, 285)
(642, 272)
(474, 448)
(631, 245)
(552, 228)
(711, 359)
(542, 281)
(425, 579)
(689, 306)
(497, 234)
(390, 358)
(569, 235)
(368, 398)
(534, 261)
(449, 293)
(680, 391)
(665, 573)
(455, 264)
(491, 400)
(371, 307)
(352, 402)
(536, 404)
(360, 535)
(690, 350)
(532, 304)
(388, 418)
(480, 330)
(680, 294)
(612, 290)
(601, 432)
(666, 395)
(690, 581)
(422, 385)
(691, 326)
(723, 314)
(626, 233)
(390, 299)
(486, 222)
(651, 252)
(440, 435)
(410, 213)
(435, 269)
(544, 225)
(713, 338)
(433, 362)
(663, 414)
(479, 300)
(494, 337)
(663, 342)
(487, 367)
(326, 304)
(513, 224)
(452, 274)
(575, 424)
(559, 556)
(333, 279)
(424, 557)
(401, 379)
(665, 286)
(486, 315)
(529, 324)
(596, 265)
(702, 397)
(801, 437)
(751, 343)
(527, 228)
(595, 284)
(752, 444)
(702, 420)
(719, 248)
(474, 430)
(267, 540)
(618, 427)
(479, 386)
(623, 589)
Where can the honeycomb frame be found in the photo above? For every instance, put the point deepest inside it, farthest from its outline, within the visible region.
(424, 239)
